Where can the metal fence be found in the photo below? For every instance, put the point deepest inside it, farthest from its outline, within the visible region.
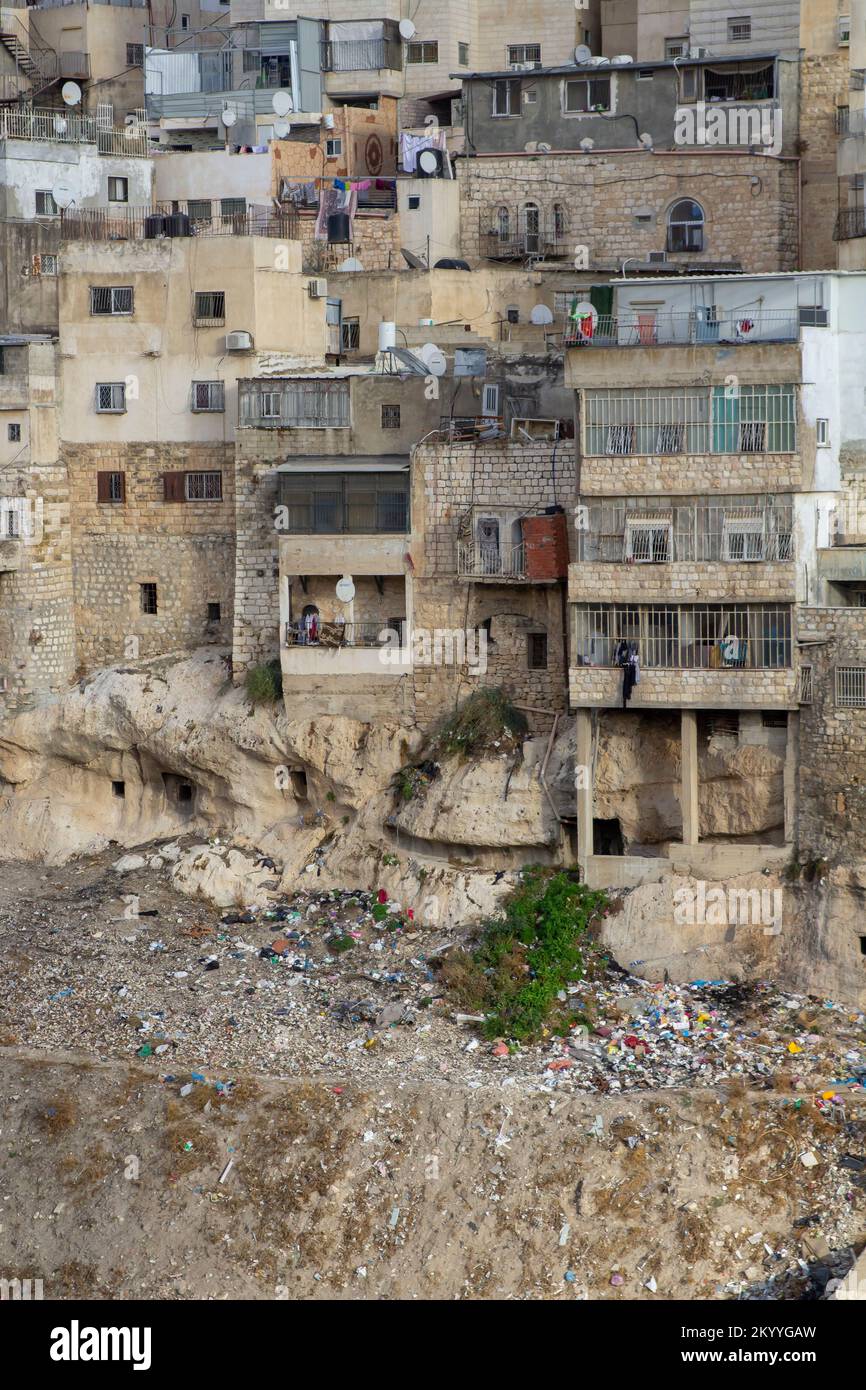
(481, 560)
(360, 55)
(328, 634)
(73, 128)
(705, 324)
(164, 220)
(685, 637)
(659, 530)
(691, 420)
(299, 404)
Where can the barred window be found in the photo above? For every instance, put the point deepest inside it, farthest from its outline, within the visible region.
(147, 598)
(208, 395)
(199, 209)
(851, 687)
(334, 503)
(691, 420)
(233, 207)
(739, 29)
(390, 417)
(13, 433)
(204, 487)
(805, 692)
(210, 306)
(350, 334)
(523, 53)
(111, 397)
(297, 404)
(135, 55)
(111, 299)
(741, 527)
(422, 52)
(686, 636)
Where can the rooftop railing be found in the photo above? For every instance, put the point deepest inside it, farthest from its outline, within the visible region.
(163, 220)
(706, 325)
(70, 128)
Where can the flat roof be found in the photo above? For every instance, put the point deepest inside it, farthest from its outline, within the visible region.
(727, 279)
(591, 69)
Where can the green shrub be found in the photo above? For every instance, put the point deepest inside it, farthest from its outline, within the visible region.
(264, 684)
(484, 719)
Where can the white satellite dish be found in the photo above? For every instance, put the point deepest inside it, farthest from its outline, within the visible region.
(587, 144)
(428, 162)
(407, 29)
(646, 140)
(71, 93)
(281, 129)
(540, 314)
(228, 116)
(582, 54)
(60, 124)
(433, 359)
(282, 103)
(62, 195)
(345, 589)
(352, 263)
(543, 147)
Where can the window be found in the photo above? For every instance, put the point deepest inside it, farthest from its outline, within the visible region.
(675, 48)
(813, 316)
(506, 97)
(587, 94)
(644, 74)
(851, 687)
(530, 96)
(204, 487)
(118, 190)
(270, 404)
(698, 420)
(46, 264)
(686, 226)
(233, 207)
(334, 147)
(111, 487)
(805, 692)
(503, 224)
(214, 612)
(463, 55)
(147, 598)
(111, 397)
(536, 651)
(10, 519)
(516, 54)
(45, 204)
(184, 21)
(298, 404)
(490, 400)
(210, 306)
(649, 540)
(13, 433)
(390, 417)
(134, 55)
(208, 396)
(414, 202)
(336, 503)
(844, 29)
(422, 52)
(118, 789)
(731, 84)
(740, 29)
(822, 432)
(199, 209)
(743, 538)
(350, 335)
(111, 299)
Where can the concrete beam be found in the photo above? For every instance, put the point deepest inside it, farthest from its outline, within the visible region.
(689, 791)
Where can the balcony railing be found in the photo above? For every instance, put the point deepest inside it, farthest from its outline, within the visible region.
(361, 55)
(361, 634)
(693, 637)
(476, 560)
(464, 427)
(157, 223)
(703, 326)
(666, 531)
(518, 245)
(70, 128)
(850, 223)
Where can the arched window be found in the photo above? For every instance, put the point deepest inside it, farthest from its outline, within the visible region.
(503, 224)
(531, 218)
(686, 226)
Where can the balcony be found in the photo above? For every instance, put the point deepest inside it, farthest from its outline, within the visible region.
(74, 65)
(850, 223)
(171, 220)
(302, 403)
(502, 239)
(702, 325)
(510, 545)
(478, 561)
(361, 55)
(69, 128)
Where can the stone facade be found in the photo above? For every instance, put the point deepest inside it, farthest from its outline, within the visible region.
(832, 775)
(681, 582)
(823, 87)
(376, 244)
(601, 687)
(615, 474)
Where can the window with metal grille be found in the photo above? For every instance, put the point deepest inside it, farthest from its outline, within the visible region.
(350, 335)
(135, 55)
(587, 94)
(233, 207)
(49, 264)
(523, 53)
(10, 518)
(670, 439)
(208, 395)
(45, 204)
(649, 540)
(739, 29)
(334, 503)
(422, 51)
(813, 316)
(203, 487)
(753, 437)
(713, 420)
(506, 97)
(463, 55)
(111, 299)
(686, 636)
(675, 48)
(199, 210)
(111, 397)
(805, 685)
(743, 538)
(210, 306)
(851, 687)
(147, 598)
(118, 190)
(536, 651)
(110, 487)
(297, 404)
(390, 417)
(14, 434)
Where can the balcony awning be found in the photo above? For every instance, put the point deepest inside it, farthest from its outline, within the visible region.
(346, 463)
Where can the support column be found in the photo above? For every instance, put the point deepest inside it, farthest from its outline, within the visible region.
(689, 790)
(584, 788)
(790, 776)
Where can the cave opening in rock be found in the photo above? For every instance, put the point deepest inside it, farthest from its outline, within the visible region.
(607, 837)
(118, 788)
(180, 791)
(299, 784)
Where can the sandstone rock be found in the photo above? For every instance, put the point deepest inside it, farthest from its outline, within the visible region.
(128, 863)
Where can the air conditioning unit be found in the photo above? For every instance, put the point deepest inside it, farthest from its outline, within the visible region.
(698, 52)
(657, 258)
(318, 289)
(239, 342)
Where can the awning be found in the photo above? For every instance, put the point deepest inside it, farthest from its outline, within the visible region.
(346, 463)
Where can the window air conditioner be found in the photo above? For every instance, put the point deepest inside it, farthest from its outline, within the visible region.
(239, 342)
(318, 289)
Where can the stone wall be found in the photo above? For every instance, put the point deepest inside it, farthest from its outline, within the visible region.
(256, 636)
(185, 548)
(376, 245)
(601, 686)
(832, 777)
(613, 475)
(755, 224)
(823, 87)
(681, 582)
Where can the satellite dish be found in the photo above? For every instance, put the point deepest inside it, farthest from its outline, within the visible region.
(407, 29)
(543, 147)
(414, 262)
(540, 314)
(428, 161)
(345, 589)
(351, 264)
(281, 129)
(646, 140)
(60, 124)
(587, 144)
(62, 195)
(433, 359)
(71, 93)
(582, 54)
(282, 103)
(228, 116)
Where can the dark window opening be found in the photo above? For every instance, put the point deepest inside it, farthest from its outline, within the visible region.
(214, 612)
(14, 433)
(118, 788)
(299, 784)
(147, 593)
(537, 651)
(863, 945)
(774, 719)
(607, 837)
(390, 417)
(179, 790)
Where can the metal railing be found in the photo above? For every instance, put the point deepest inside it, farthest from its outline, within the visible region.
(161, 221)
(479, 560)
(304, 403)
(686, 420)
(360, 55)
(850, 223)
(465, 427)
(514, 246)
(805, 685)
(329, 634)
(660, 530)
(70, 128)
(690, 637)
(709, 325)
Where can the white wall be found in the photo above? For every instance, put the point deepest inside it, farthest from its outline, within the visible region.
(213, 174)
(28, 165)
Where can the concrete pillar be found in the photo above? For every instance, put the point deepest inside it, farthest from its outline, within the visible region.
(790, 777)
(689, 790)
(584, 787)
